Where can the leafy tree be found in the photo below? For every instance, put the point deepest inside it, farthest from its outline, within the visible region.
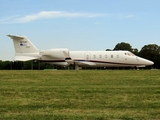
(151, 52)
(1, 65)
(6, 65)
(123, 46)
(108, 50)
(28, 65)
(135, 51)
(126, 46)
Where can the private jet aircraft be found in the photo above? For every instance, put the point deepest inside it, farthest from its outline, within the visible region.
(25, 51)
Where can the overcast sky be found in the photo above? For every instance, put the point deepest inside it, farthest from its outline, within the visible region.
(79, 24)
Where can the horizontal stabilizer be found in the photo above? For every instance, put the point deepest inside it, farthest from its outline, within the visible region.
(15, 37)
(24, 58)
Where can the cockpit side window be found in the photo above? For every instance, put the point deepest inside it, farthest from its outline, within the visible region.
(129, 54)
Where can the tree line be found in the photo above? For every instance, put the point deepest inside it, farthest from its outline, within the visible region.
(150, 52)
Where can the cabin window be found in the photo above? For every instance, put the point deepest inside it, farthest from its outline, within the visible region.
(94, 56)
(111, 56)
(117, 56)
(105, 56)
(100, 56)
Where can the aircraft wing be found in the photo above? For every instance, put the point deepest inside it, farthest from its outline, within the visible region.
(141, 66)
(24, 58)
(87, 63)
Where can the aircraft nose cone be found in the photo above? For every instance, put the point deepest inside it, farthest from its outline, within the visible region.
(145, 61)
(151, 63)
(148, 62)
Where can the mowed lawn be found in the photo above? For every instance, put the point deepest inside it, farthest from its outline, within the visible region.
(77, 95)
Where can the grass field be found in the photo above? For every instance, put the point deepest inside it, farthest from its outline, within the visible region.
(77, 95)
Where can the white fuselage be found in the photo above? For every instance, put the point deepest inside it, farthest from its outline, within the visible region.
(102, 59)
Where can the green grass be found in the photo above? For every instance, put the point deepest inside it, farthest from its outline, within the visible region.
(76, 95)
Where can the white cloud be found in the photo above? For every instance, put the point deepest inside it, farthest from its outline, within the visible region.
(97, 23)
(129, 16)
(49, 15)
(126, 16)
(7, 19)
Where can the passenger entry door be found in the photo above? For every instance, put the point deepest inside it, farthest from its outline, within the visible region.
(87, 56)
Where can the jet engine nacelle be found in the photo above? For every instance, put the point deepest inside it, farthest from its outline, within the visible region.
(55, 53)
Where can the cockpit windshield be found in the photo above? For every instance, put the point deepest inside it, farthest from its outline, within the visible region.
(129, 54)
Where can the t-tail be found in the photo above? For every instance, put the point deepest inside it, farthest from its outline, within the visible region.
(24, 49)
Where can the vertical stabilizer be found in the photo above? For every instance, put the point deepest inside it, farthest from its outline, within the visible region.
(22, 44)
